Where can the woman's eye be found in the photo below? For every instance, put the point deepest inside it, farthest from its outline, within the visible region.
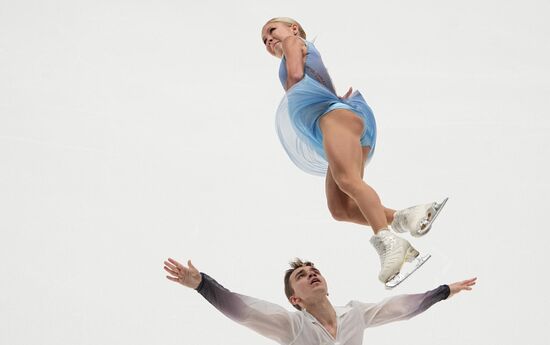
(271, 30)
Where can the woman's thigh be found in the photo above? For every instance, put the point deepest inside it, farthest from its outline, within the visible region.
(341, 134)
(342, 130)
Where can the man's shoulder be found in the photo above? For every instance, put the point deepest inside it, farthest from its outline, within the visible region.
(357, 304)
(351, 305)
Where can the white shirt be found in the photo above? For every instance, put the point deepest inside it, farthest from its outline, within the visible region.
(302, 328)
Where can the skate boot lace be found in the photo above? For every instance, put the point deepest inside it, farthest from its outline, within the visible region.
(384, 246)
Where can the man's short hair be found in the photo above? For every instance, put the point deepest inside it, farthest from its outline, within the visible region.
(294, 264)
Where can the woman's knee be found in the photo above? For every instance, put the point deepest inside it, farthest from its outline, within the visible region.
(348, 183)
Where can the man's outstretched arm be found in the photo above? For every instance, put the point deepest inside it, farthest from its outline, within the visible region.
(268, 319)
(404, 307)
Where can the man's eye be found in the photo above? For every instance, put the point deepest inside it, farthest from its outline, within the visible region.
(271, 30)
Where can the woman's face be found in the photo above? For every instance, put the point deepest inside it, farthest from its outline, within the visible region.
(273, 35)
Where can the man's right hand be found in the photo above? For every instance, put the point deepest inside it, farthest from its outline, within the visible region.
(186, 276)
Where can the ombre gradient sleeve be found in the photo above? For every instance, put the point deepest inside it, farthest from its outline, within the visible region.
(401, 307)
(267, 319)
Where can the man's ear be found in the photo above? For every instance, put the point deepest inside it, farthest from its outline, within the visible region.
(294, 300)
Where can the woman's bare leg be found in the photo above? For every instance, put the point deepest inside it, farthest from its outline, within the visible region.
(342, 207)
(342, 131)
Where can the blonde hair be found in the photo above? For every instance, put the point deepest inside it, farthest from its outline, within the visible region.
(290, 22)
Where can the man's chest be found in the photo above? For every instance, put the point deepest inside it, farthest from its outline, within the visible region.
(349, 331)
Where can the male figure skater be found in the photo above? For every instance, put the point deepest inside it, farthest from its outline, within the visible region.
(317, 321)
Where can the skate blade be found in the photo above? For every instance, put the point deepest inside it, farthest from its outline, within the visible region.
(428, 224)
(407, 270)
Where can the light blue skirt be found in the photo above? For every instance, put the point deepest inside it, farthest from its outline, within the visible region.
(298, 118)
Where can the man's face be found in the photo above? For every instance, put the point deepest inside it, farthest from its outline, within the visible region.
(308, 285)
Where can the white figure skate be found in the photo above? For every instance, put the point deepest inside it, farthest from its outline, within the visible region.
(394, 252)
(417, 219)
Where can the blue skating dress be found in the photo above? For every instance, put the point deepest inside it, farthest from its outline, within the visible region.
(301, 109)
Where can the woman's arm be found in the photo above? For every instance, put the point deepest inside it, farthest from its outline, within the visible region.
(294, 50)
(268, 319)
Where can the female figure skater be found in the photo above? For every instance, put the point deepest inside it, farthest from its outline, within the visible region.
(324, 134)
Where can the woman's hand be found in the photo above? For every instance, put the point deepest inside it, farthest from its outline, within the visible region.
(346, 96)
(186, 276)
(462, 285)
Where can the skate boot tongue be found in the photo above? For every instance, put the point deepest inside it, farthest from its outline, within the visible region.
(383, 242)
(384, 236)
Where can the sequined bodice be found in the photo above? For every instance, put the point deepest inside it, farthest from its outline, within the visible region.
(313, 67)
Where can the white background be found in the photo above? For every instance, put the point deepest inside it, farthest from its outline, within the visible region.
(131, 131)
